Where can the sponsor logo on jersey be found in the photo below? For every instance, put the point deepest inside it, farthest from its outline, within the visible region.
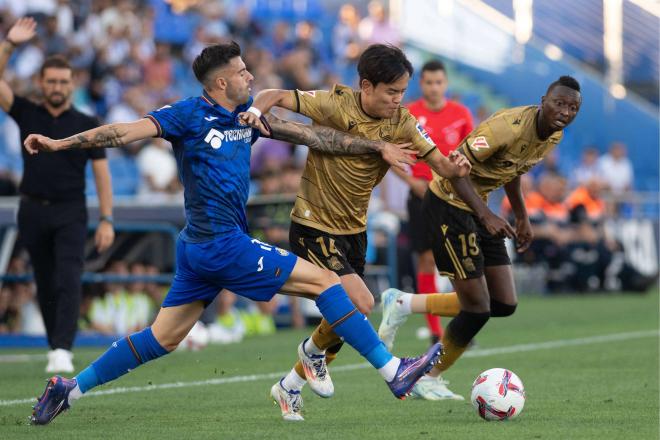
(479, 143)
(424, 134)
(311, 93)
(281, 251)
(215, 138)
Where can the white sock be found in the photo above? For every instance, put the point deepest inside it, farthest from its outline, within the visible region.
(389, 369)
(404, 303)
(293, 382)
(74, 395)
(311, 348)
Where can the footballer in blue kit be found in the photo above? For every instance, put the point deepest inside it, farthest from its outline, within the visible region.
(212, 151)
(214, 251)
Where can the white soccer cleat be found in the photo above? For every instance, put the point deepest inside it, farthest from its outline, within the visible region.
(393, 317)
(433, 388)
(316, 372)
(60, 361)
(290, 402)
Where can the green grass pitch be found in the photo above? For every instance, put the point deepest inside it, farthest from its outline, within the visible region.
(589, 365)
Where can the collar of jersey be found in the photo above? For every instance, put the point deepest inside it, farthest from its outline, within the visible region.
(213, 103)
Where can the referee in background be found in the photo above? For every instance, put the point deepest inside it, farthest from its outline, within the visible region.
(52, 217)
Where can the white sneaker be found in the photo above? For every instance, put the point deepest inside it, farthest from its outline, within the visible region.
(60, 361)
(433, 388)
(316, 372)
(393, 317)
(290, 402)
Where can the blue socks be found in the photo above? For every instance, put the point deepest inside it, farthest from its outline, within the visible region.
(124, 355)
(353, 326)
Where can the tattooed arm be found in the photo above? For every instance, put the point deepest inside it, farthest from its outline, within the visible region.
(111, 135)
(331, 141)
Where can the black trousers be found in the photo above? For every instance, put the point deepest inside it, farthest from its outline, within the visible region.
(54, 234)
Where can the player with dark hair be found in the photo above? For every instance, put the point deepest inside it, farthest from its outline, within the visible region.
(328, 221)
(214, 251)
(467, 237)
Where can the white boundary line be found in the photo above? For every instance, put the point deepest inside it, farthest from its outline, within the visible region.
(614, 337)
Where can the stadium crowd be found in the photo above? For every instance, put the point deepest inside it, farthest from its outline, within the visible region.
(125, 65)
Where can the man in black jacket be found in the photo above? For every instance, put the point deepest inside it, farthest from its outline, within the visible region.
(52, 217)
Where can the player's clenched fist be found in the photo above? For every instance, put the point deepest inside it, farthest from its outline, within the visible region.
(36, 142)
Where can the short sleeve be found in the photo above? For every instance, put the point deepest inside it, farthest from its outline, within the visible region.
(21, 109)
(317, 105)
(414, 133)
(170, 120)
(487, 139)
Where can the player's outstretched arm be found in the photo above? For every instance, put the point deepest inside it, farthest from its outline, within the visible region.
(329, 140)
(269, 98)
(105, 136)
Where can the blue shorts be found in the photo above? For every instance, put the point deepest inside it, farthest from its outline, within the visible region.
(236, 262)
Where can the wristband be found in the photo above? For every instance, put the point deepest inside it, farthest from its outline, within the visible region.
(255, 111)
(106, 218)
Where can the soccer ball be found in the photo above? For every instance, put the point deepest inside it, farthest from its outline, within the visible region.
(498, 394)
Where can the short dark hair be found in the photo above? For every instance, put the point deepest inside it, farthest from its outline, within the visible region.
(54, 61)
(213, 57)
(383, 63)
(433, 66)
(566, 81)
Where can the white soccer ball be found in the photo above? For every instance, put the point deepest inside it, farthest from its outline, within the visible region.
(197, 338)
(498, 394)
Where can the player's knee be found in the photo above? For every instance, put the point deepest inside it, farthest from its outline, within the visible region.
(324, 281)
(500, 309)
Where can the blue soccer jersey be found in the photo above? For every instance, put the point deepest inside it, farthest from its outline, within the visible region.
(214, 251)
(212, 151)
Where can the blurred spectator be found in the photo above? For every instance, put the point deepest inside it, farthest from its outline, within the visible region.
(108, 313)
(376, 27)
(158, 170)
(617, 169)
(154, 290)
(55, 42)
(549, 165)
(588, 168)
(269, 154)
(122, 309)
(588, 197)
(346, 44)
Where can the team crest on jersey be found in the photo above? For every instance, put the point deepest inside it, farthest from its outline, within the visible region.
(334, 263)
(479, 143)
(468, 264)
(281, 251)
(424, 134)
